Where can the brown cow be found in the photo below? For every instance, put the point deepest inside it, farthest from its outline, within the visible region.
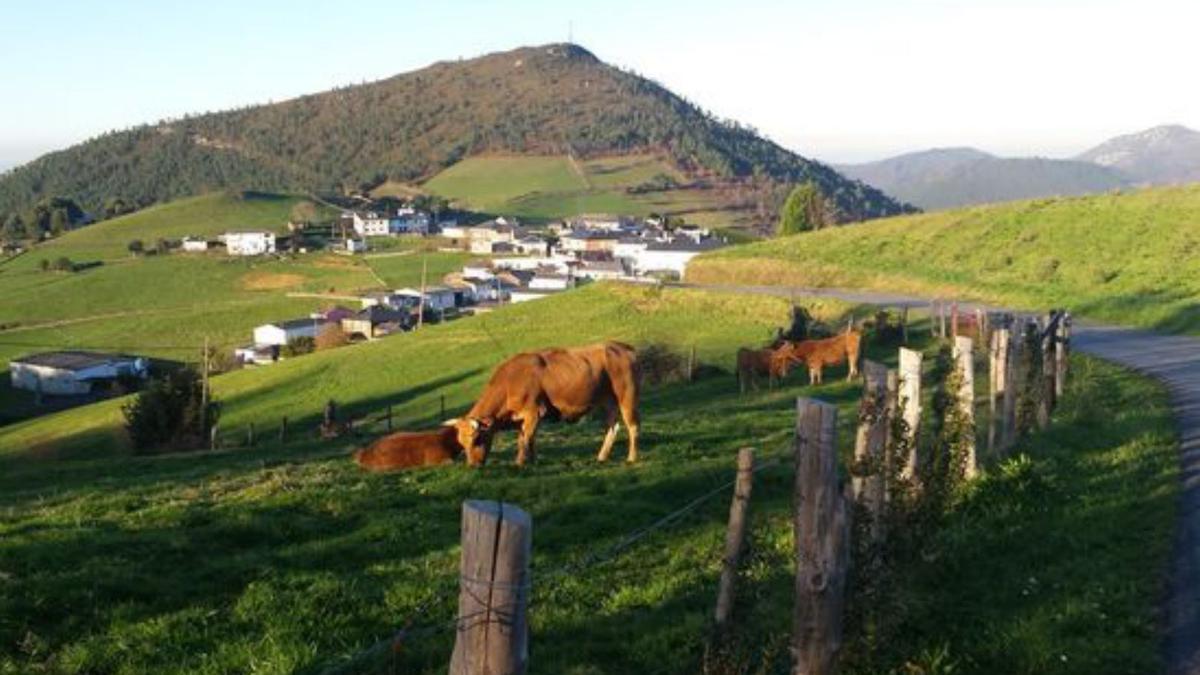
(409, 449)
(754, 362)
(827, 352)
(554, 384)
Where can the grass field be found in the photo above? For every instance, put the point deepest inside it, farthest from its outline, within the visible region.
(549, 187)
(286, 559)
(1128, 258)
(166, 306)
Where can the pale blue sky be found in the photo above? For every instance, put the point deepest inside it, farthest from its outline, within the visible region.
(838, 80)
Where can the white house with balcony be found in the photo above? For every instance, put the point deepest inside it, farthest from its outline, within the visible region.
(371, 224)
(255, 242)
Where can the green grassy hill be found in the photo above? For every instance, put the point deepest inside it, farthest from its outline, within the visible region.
(1128, 258)
(165, 306)
(558, 186)
(547, 100)
(286, 559)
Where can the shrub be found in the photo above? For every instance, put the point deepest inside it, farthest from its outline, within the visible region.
(136, 247)
(169, 414)
(660, 364)
(63, 264)
(331, 337)
(300, 346)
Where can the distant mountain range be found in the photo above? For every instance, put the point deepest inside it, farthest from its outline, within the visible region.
(555, 99)
(947, 177)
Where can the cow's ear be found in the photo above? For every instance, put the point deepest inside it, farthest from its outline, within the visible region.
(452, 422)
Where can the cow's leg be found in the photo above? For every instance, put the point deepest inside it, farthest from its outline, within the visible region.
(610, 434)
(629, 413)
(525, 451)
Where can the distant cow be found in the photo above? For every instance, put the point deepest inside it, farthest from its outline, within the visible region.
(754, 362)
(554, 384)
(817, 354)
(410, 449)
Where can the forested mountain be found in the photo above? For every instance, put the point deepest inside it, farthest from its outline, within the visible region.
(947, 177)
(1161, 155)
(551, 99)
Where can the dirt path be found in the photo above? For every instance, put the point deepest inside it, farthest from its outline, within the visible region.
(1173, 360)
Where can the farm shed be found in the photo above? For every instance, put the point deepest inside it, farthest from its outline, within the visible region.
(72, 372)
(283, 332)
(376, 321)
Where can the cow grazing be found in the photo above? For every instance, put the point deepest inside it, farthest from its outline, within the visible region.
(817, 354)
(754, 362)
(408, 449)
(554, 384)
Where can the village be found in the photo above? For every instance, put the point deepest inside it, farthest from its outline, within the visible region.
(515, 263)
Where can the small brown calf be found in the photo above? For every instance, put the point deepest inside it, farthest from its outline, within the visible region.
(408, 449)
(817, 354)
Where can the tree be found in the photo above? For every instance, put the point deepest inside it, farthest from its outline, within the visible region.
(162, 246)
(331, 337)
(168, 413)
(803, 211)
(304, 212)
(14, 228)
(136, 247)
(299, 346)
(60, 221)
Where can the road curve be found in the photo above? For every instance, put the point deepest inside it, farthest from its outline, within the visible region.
(1173, 360)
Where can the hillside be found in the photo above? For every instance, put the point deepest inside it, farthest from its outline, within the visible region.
(1128, 258)
(1160, 155)
(949, 177)
(289, 559)
(555, 99)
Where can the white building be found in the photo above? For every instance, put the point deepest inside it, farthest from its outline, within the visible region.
(671, 257)
(355, 245)
(436, 297)
(280, 333)
(550, 282)
(257, 242)
(371, 224)
(194, 244)
(409, 221)
(600, 270)
(72, 372)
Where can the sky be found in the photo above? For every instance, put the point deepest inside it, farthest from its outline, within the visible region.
(841, 81)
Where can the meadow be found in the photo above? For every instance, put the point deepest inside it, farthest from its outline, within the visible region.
(1127, 258)
(282, 559)
(166, 306)
(552, 187)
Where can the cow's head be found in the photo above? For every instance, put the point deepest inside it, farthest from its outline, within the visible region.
(475, 437)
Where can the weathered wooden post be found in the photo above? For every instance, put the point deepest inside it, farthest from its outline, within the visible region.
(691, 365)
(954, 319)
(1046, 402)
(910, 403)
(964, 362)
(941, 318)
(214, 437)
(283, 430)
(999, 383)
(822, 540)
(735, 536)
(867, 481)
(389, 419)
(1061, 336)
(493, 632)
(1012, 390)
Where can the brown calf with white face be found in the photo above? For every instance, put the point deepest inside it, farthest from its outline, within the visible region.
(554, 384)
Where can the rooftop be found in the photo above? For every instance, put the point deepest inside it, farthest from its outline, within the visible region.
(72, 360)
(685, 245)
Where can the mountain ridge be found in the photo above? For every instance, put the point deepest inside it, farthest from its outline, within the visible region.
(536, 100)
(1165, 154)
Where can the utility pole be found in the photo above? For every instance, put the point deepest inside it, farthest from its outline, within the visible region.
(421, 300)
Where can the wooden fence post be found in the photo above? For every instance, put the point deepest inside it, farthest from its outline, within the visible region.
(954, 320)
(1061, 335)
(822, 543)
(214, 437)
(964, 361)
(691, 365)
(735, 536)
(283, 429)
(250, 435)
(493, 632)
(867, 481)
(1046, 401)
(910, 402)
(1000, 401)
(1008, 428)
(941, 318)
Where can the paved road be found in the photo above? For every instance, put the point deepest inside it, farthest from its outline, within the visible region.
(1174, 361)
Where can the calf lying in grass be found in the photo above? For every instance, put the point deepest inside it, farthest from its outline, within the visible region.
(408, 449)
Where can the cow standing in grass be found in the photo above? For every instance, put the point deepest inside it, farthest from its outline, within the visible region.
(754, 362)
(554, 384)
(817, 354)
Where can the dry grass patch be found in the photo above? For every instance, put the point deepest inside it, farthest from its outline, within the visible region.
(269, 281)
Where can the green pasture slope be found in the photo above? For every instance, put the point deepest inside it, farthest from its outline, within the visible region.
(166, 306)
(548, 187)
(286, 559)
(1130, 258)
